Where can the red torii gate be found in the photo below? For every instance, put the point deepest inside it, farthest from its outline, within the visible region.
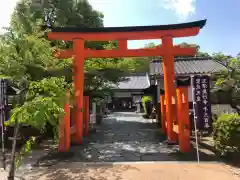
(122, 34)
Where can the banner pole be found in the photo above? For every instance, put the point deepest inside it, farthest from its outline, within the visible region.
(194, 119)
(196, 138)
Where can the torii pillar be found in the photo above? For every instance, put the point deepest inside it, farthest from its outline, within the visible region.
(168, 70)
(78, 65)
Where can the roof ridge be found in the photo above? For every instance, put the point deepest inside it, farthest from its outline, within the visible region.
(190, 58)
(135, 74)
(193, 65)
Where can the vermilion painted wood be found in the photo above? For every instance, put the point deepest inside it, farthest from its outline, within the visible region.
(183, 119)
(137, 52)
(174, 119)
(168, 69)
(123, 52)
(110, 36)
(163, 114)
(122, 45)
(180, 114)
(78, 63)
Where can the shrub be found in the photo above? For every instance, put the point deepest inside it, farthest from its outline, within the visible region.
(145, 101)
(226, 133)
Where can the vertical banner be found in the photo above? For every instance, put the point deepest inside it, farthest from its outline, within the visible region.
(3, 99)
(206, 104)
(1, 102)
(197, 100)
(201, 102)
(3, 117)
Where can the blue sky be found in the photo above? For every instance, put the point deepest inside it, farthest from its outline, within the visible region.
(221, 33)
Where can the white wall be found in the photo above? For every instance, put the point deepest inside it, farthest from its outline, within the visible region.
(161, 83)
(190, 98)
(122, 94)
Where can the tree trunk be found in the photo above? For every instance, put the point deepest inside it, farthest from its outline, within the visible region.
(3, 142)
(11, 174)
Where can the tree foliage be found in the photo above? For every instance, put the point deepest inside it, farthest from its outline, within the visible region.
(26, 59)
(22, 55)
(228, 79)
(43, 104)
(29, 15)
(226, 133)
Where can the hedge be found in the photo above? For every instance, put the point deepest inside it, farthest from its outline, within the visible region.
(146, 99)
(226, 133)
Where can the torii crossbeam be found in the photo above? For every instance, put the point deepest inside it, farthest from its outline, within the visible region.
(164, 32)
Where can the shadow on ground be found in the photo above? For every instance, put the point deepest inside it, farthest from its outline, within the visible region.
(125, 137)
(83, 171)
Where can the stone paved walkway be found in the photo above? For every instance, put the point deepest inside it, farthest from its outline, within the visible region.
(125, 137)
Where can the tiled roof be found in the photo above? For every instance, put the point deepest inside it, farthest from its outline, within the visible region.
(134, 82)
(190, 65)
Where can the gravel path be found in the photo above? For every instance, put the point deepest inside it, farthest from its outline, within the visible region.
(125, 137)
(121, 140)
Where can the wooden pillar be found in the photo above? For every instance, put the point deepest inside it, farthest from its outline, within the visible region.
(78, 65)
(122, 44)
(163, 113)
(183, 114)
(86, 115)
(181, 117)
(174, 116)
(168, 68)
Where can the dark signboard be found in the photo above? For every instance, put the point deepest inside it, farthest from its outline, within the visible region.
(197, 100)
(206, 104)
(3, 100)
(201, 102)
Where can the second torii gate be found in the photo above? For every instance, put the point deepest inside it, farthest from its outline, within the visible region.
(122, 34)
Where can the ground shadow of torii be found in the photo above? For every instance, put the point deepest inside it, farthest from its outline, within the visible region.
(121, 141)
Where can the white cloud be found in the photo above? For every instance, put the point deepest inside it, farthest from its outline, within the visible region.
(182, 8)
(6, 9)
(101, 5)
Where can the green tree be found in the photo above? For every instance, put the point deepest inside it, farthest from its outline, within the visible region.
(19, 53)
(228, 79)
(203, 54)
(29, 15)
(43, 104)
(25, 59)
(151, 45)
